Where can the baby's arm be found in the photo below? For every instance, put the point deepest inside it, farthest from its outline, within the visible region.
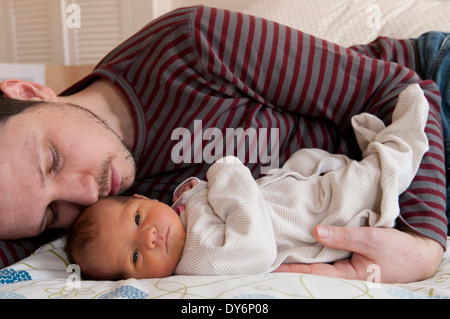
(240, 239)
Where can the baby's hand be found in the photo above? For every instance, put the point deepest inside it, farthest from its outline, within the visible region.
(184, 188)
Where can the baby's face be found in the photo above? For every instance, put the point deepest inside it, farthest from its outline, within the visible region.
(138, 238)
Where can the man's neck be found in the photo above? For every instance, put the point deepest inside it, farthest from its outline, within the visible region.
(103, 99)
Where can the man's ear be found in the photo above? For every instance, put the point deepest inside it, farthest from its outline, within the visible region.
(26, 90)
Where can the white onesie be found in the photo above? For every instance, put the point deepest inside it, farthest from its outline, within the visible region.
(236, 225)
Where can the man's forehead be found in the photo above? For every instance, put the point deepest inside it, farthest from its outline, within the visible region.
(62, 107)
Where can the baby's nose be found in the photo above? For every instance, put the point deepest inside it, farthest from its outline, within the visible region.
(149, 237)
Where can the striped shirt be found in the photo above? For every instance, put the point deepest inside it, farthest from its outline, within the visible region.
(230, 70)
(236, 225)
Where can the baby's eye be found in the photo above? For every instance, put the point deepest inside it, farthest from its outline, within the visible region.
(137, 218)
(135, 256)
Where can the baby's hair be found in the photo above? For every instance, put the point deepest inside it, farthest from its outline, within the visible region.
(83, 232)
(78, 237)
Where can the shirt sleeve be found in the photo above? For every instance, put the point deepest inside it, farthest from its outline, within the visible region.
(294, 72)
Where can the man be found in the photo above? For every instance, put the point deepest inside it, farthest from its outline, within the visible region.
(230, 71)
(50, 161)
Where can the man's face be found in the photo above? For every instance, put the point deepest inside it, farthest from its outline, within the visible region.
(53, 160)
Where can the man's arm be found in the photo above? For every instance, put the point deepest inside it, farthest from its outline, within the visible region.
(294, 72)
(291, 71)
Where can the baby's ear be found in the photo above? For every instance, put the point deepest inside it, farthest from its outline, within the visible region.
(140, 196)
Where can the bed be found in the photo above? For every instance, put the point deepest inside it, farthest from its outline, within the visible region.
(47, 274)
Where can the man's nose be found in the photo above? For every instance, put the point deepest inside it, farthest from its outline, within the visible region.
(81, 189)
(148, 237)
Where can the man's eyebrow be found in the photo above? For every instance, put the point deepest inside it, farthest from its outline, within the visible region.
(36, 159)
(43, 226)
(55, 216)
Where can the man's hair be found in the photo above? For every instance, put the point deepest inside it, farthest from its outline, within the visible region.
(10, 107)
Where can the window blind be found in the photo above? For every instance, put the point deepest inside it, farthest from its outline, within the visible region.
(100, 31)
(32, 38)
(41, 31)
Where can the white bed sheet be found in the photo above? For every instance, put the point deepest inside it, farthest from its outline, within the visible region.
(44, 275)
(349, 22)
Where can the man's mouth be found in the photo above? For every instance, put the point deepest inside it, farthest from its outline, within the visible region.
(115, 182)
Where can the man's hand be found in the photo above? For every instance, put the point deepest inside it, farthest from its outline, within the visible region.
(402, 257)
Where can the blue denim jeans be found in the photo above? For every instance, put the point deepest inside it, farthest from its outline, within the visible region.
(434, 56)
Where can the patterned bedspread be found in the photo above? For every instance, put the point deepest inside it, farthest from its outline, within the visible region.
(47, 275)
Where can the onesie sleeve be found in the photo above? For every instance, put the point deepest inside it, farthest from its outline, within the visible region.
(248, 244)
(395, 151)
(366, 192)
